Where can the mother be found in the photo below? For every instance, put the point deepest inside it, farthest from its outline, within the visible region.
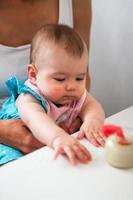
(19, 21)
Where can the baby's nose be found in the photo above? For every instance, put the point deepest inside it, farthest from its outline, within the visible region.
(71, 86)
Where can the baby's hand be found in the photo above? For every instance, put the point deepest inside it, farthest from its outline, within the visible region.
(65, 144)
(92, 131)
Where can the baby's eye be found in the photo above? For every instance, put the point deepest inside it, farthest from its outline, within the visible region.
(79, 78)
(60, 79)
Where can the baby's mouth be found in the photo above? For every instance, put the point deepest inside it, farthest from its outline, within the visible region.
(71, 98)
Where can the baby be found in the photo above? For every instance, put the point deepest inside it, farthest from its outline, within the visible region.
(55, 95)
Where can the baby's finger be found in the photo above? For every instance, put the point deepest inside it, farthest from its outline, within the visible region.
(99, 138)
(92, 139)
(82, 157)
(58, 151)
(80, 135)
(71, 155)
(85, 150)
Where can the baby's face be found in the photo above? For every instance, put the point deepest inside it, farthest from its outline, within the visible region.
(61, 77)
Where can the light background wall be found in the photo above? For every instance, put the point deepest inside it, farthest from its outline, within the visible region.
(111, 54)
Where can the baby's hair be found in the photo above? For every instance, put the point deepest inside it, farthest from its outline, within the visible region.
(62, 35)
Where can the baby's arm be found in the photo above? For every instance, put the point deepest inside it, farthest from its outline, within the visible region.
(92, 115)
(47, 132)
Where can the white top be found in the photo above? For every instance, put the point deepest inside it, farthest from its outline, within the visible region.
(38, 176)
(14, 60)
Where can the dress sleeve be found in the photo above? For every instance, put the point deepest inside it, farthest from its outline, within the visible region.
(16, 87)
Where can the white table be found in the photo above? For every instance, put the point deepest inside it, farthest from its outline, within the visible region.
(37, 177)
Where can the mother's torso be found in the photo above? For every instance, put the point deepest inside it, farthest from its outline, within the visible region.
(19, 21)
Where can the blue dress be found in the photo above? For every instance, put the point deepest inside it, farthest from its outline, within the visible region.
(10, 111)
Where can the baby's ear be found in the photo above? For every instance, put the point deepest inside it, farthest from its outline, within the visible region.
(32, 72)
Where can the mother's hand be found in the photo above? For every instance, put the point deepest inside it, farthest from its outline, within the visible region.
(13, 132)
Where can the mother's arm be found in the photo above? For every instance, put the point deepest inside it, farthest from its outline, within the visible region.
(14, 133)
(82, 22)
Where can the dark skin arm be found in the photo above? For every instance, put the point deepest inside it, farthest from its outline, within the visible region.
(23, 140)
(82, 23)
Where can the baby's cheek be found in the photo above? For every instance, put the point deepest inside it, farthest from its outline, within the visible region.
(56, 92)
